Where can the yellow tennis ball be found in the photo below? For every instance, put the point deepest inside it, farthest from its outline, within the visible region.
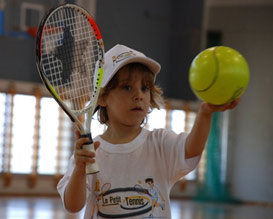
(219, 75)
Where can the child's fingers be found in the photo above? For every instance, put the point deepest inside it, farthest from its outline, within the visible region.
(77, 133)
(231, 105)
(84, 159)
(85, 153)
(83, 156)
(80, 142)
(234, 103)
(216, 108)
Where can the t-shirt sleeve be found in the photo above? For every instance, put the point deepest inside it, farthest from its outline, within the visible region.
(173, 147)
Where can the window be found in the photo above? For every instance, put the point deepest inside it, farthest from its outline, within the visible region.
(22, 133)
(31, 14)
(154, 122)
(55, 142)
(20, 153)
(2, 126)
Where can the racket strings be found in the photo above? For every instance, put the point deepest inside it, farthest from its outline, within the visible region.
(69, 55)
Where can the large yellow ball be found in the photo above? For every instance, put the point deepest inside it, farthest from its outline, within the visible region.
(219, 75)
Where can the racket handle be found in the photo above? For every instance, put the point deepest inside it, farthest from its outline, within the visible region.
(90, 168)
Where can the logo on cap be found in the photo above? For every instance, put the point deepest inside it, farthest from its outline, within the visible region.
(122, 56)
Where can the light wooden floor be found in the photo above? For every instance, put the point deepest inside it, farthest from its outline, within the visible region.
(51, 208)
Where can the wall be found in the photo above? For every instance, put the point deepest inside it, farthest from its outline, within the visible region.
(17, 48)
(249, 29)
(168, 31)
(17, 57)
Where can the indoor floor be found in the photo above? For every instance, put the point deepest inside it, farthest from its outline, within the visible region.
(51, 208)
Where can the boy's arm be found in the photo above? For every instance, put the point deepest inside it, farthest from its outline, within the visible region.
(75, 192)
(198, 136)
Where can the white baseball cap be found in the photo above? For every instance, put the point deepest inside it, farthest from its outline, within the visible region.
(119, 56)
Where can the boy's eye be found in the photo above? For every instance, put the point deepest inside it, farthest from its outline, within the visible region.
(145, 88)
(126, 87)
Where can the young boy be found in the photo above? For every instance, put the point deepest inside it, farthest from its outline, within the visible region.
(127, 153)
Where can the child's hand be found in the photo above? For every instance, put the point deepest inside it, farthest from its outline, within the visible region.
(209, 108)
(83, 156)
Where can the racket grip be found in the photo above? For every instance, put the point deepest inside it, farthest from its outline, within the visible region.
(90, 168)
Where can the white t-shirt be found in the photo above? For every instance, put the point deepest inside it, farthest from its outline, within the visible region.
(135, 179)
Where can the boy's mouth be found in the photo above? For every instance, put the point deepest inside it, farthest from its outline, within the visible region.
(138, 108)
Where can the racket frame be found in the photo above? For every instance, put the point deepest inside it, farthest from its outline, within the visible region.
(89, 110)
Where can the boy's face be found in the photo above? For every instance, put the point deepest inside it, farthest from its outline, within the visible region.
(129, 102)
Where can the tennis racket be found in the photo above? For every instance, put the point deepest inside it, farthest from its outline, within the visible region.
(70, 58)
(105, 188)
(140, 190)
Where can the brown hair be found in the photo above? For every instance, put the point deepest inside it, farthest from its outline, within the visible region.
(148, 78)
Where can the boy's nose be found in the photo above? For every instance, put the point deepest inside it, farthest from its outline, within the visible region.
(138, 94)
